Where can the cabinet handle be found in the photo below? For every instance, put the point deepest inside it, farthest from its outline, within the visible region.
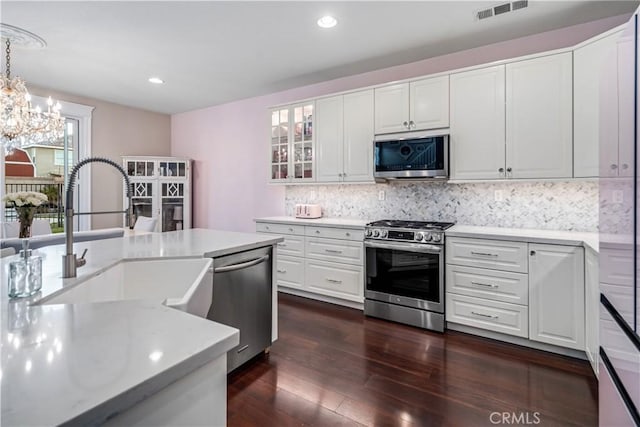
(281, 271)
(483, 254)
(333, 251)
(509, 169)
(488, 316)
(290, 229)
(501, 170)
(266, 227)
(282, 245)
(625, 166)
(411, 124)
(405, 124)
(333, 280)
(317, 231)
(614, 167)
(347, 234)
(532, 253)
(488, 285)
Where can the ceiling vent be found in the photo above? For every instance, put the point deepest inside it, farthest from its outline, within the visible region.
(501, 9)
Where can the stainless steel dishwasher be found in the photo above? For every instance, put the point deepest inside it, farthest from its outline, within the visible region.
(242, 297)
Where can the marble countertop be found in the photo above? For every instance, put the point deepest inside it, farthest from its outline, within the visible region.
(323, 222)
(84, 362)
(571, 238)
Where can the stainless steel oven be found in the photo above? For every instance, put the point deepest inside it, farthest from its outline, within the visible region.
(404, 272)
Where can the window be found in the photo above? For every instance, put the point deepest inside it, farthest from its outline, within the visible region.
(58, 157)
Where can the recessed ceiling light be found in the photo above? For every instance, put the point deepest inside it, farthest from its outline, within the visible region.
(156, 80)
(327, 21)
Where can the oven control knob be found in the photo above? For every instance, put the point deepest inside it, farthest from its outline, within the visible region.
(367, 233)
(427, 237)
(419, 236)
(376, 233)
(436, 238)
(383, 233)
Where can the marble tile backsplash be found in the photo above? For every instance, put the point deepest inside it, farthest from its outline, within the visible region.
(544, 205)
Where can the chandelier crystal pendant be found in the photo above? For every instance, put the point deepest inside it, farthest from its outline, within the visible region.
(20, 123)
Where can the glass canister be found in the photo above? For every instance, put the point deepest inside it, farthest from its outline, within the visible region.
(25, 274)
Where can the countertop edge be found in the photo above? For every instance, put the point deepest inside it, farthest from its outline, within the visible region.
(246, 247)
(127, 399)
(319, 222)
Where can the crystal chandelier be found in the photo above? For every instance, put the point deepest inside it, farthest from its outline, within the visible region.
(20, 123)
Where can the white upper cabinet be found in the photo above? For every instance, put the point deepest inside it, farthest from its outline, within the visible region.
(589, 63)
(344, 138)
(291, 157)
(329, 138)
(539, 95)
(419, 105)
(477, 139)
(358, 136)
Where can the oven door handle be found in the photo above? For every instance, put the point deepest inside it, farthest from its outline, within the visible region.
(406, 247)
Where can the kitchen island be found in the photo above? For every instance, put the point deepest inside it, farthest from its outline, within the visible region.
(132, 361)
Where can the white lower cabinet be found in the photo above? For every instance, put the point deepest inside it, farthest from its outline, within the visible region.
(319, 260)
(592, 307)
(529, 290)
(334, 279)
(482, 313)
(556, 295)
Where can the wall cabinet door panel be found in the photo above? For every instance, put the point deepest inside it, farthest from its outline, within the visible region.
(329, 138)
(392, 108)
(429, 103)
(477, 141)
(539, 122)
(358, 137)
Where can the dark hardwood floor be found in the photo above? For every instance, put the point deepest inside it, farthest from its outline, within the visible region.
(333, 366)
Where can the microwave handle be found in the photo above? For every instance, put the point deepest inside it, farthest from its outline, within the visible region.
(406, 247)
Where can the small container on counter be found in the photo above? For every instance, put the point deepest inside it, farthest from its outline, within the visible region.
(25, 274)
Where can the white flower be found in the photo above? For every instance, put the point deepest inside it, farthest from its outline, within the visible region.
(25, 198)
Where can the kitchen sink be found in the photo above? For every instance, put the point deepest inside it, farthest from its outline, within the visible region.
(184, 284)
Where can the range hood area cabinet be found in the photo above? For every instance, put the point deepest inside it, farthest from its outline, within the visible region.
(590, 60)
(344, 135)
(161, 189)
(417, 105)
(513, 120)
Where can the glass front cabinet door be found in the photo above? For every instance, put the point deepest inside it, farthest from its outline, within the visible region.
(292, 156)
(161, 190)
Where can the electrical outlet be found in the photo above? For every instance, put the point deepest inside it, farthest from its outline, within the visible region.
(381, 195)
(497, 196)
(617, 196)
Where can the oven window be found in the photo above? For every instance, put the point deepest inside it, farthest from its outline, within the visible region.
(402, 273)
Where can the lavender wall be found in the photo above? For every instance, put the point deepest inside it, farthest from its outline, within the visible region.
(229, 142)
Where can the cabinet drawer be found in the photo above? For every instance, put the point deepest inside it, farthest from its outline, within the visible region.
(342, 251)
(335, 233)
(490, 284)
(495, 316)
(269, 227)
(494, 254)
(292, 245)
(336, 280)
(290, 272)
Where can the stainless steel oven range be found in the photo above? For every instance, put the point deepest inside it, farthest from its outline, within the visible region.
(404, 272)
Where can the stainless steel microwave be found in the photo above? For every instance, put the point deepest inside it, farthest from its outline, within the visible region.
(411, 155)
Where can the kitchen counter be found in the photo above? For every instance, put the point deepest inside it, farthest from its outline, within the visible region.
(554, 237)
(83, 363)
(323, 222)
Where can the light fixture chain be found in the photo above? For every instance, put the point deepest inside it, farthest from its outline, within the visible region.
(8, 58)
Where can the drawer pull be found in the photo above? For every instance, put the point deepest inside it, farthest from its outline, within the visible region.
(333, 251)
(347, 234)
(488, 316)
(281, 271)
(333, 280)
(282, 245)
(317, 231)
(290, 229)
(488, 285)
(483, 254)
